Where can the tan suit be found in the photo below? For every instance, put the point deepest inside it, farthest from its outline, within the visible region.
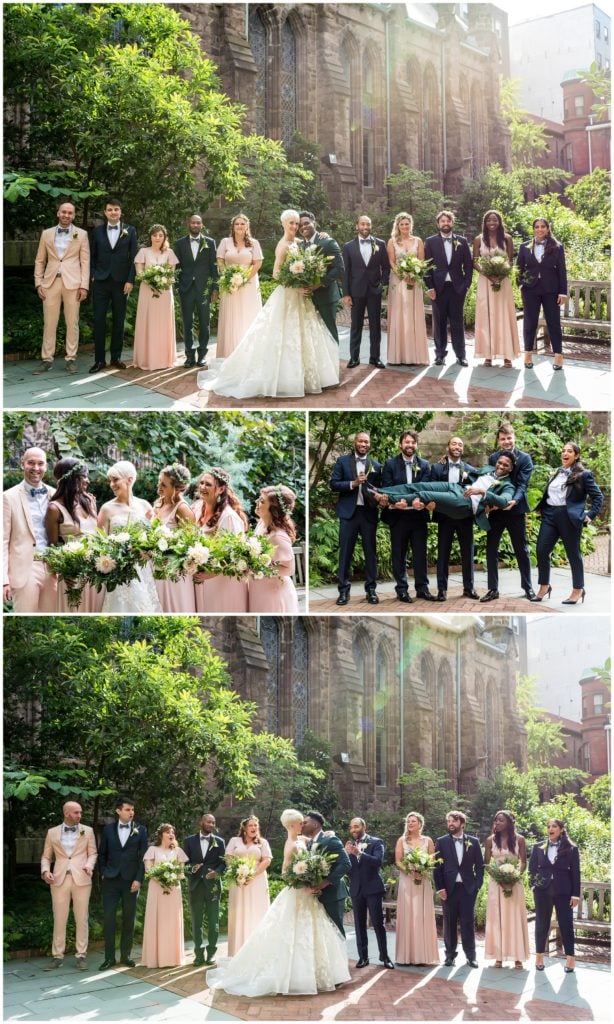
(71, 882)
(62, 277)
(34, 589)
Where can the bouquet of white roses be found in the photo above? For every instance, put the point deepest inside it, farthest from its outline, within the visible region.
(232, 278)
(496, 265)
(303, 268)
(232, 554)
(506, 873)
(411, 269)
(159, 276)
(419, 863)
(240, 870)
(167, 873)
(308, 867)
(114, 559)
(67, 561)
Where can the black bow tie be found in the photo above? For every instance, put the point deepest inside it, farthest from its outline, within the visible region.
(70, 828)
(124, 826)
(62, 231)
(556, 845)
(204, 837)
(38, 490)
(112, 227)
(458, 840)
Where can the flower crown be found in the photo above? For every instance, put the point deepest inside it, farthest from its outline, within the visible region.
(77, 468)
(221, 475)
(281, 499)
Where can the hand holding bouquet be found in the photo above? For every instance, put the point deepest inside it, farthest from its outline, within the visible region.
(159, 276)
(496, 265)
(232, 278)
(168, 874)
(308, 868)
(506, 873)
(411, 269)
(240, 870)
(419, 863)
(303, 268)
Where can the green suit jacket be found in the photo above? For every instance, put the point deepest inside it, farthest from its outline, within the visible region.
(450, 498)
(326, 297)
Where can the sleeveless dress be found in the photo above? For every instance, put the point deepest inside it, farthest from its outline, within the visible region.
(163, 924)
(287, 352)
(238, 311)
(407, 341)
(138, 597)
(496, 328)
(154, 330)
(416, 932)
(247, 904)
(69, 528)
(175, 597)
(507, 931)
(221, 593)
(277, 594)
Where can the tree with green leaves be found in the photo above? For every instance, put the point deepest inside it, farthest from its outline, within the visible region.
(598, 795)
(428, 791)
(415, 193)
(600, 81)
(545, 742)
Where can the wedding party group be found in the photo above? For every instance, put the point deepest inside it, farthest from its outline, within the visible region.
(62, 554)
(296, 944)
(289, 347)
(460, 497)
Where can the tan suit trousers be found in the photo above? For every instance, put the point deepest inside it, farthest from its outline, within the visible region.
(56, 297)
(39, 593)
(61, 895)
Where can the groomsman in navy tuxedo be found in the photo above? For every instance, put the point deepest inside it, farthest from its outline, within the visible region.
(408, 526)
(120, 859)
(205, 851)
(113, 248)
(196, 288)
(453, 470)
(458, 880)
(448, 282)
(367, 890)
(367, 270)
(356, 517)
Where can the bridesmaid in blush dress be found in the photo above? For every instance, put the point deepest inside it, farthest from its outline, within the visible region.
(507, 931)
(496, 330)
(416, 936)
(239, 310)
(218, 510)
(154, 331)
(163, 924)
(278, 593)
(71, 513)
(407, 341)
(171, 509)
(247, 904)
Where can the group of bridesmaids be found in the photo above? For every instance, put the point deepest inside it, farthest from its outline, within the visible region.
(72, 513)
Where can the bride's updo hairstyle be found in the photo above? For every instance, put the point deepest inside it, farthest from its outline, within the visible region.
(290, 817)
(125, 471)
(289, 215)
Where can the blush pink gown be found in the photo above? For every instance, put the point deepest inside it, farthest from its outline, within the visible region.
(277, 594)
(238, 311)
(221, 593)
(416, 935)
(154, 331)
(163, 925)
(247, 904)
(496, 327)
(175, 597)
(69, 529)
(407, 341)
(507, 931)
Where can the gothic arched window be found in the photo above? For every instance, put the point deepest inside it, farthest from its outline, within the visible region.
(368, 134)
(288, 83)
(269, 635)
(300, 681)
(381, 701)
(258, 45)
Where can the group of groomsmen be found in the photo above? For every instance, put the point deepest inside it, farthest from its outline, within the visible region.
(68, 262)
(409, 526)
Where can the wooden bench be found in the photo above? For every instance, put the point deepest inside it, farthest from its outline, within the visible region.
(588, 308)
(299, 564)
(391, 881)
(589, 915)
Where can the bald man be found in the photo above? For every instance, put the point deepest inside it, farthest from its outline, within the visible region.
(67, 865)
(25, 580)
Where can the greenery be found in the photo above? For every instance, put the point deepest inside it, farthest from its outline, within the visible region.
(415, 193)
(427, 791)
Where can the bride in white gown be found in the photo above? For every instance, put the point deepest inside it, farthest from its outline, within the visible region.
(139, 596)
(295, 950)
(288, 351)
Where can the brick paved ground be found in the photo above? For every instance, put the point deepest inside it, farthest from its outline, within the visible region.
(390, 605)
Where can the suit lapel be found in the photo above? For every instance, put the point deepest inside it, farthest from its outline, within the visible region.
(26, 511)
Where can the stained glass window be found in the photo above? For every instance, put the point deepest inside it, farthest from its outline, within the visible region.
(269, 635)
(288, 83)
(300, 681)
(257, 42)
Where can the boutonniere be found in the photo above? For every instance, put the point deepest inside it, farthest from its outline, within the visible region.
(455, 243)
(203, 246)
(213, 845)
(74, 235)
(373, 246)
(362, 846)
(416, 470)
(467, 845)
(123, 233)
(464, 476)
(134, 831)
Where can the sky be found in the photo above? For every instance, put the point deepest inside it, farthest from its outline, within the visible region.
(524, 10)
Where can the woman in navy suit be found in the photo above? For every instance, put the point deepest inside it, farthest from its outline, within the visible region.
(562, 507)
(554, 871)
(543, 283)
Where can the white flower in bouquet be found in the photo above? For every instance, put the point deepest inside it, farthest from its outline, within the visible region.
(236, 282)
(121, 537)
(74, 547)
(105, 564)
(198, 553)
(143, 536)
(508, 869)
(241, 565)
(297, 267)
(254, 545)
(266, 559)
(258, 575)
(300, 868)
(163, 544)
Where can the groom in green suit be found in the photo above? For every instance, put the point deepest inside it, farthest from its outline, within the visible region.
(483, 490)
(327, 295)
(333, 891)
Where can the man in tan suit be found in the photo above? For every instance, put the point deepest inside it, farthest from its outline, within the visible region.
(61, 278)
(73, 848)
(25, 580)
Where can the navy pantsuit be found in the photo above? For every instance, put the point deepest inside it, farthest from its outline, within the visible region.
(541, 285)
(513, 521)
(367, 892)
(565, 522)
(355, 520)
(408, 527)
(554, 884)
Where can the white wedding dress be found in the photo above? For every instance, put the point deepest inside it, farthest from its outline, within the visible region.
(287, 352)
(139, 597)
(295, 950)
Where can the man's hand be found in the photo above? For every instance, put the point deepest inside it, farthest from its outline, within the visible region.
(509, 507)
(562, 299)
(347, 301)
(7, 593)
(400, 504)
(210, 874)
(135, 886)
(195, 868)
(574, 901)
(40, 291)
(48, 878)
(127, 289)
(432, 294)
(442, 895)
(215, 295)
(360, 479)
(351, 847)
(418, 504)
(82, 294)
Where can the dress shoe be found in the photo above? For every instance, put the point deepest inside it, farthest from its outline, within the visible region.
(81, 963)
(344, 598)
(97, 367)
(117, 364)
(442, 595)
(425, 595)
(210, 962)
(448, 962)
(202, 363)
(127, 961)
(199, 961)
(363, 962)
(472, 963)
(352, 363)
(71, 366)
(106, 965)
(53, 964)
(404, 597)
(530, 594)
(568, 970)
(440, 362)
(462, 362)
(540, 967)
(189, 363)
(372, 597)
(528, 366)
(470, 592)
(377, 363)
(490, 595)
(387, 962)
(44, 367)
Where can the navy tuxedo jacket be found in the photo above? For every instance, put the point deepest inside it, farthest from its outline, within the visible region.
(460, 267)
(440, 471)
(344, 471)
(117, 861)
(549, 276)
(577, 494)
(117, 263)
(202, 271)
(471, 867)
(360, 279)
(559, 879)
(365, 878)
(394, 473)
(214, 861)
(520, 476)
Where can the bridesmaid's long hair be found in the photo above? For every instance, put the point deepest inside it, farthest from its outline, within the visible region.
(552, 243)
(282, 502)
(509, 832)
(159, 227)
(578, 467)
(500, 232)
(242, 833)
(248, 237)
(226, 498)
(68, 472)
(396, 232)
(419, 817)
(179, 475)
(161, 829)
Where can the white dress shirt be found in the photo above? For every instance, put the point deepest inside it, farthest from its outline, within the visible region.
(557, 489)
(37, 504)
(448, 249)
(454, 471)
(409, 470)
(195, 244)
(61, 243)
(366, 249)
(361, 465)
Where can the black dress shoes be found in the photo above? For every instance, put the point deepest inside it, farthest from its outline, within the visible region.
(363, 962)
(344, 598)
(97, 367)
(117, 364)
(473, 594)
(404, 597)
(189, 363)
(387, 962)
(199, 961)
(425, 595)
(472, 963)
(202, 363)
(127, 961)
(372, 597)
(530, 594)
(462, 362)
(106, 965)
(377, 363)
(440, 362)
(352, 363)
(448, 962)
(442, 595)
(490, 595)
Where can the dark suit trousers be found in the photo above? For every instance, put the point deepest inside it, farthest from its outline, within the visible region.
(448, 307)
(373, 304)
(349, 531)
(516, 526)
(201, 904)
(114, 892)
(532, 300)
(446, 529)
(459, 907)
(335, 910)
(192, 302)
(109, 293)
(328, 311)
(404, 533)
(544, 903)
(556, 525)
(373, 904)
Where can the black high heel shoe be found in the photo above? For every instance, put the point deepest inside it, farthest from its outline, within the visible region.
(538, 600)
(569, 601)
